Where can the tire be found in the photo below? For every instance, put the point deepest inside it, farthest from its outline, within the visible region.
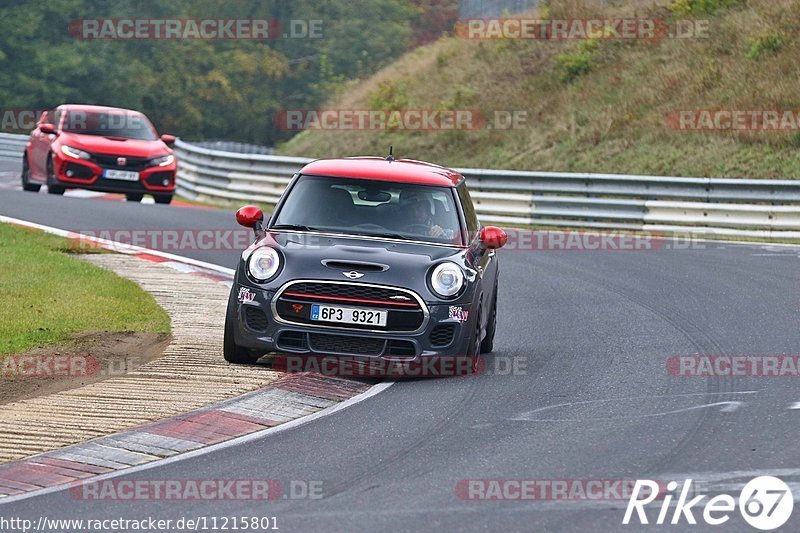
(162, 198)
(474, 349)
(230, 350)
(488, 342)
(134, 197)
(52, 186)
(26, 177)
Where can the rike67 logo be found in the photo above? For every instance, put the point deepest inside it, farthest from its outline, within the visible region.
(766, 503)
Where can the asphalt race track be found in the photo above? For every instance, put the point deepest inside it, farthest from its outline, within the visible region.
(591, 399)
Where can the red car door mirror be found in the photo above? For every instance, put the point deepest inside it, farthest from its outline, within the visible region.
(47, 128)
(249, 216)
(169, 140)
(493, 237)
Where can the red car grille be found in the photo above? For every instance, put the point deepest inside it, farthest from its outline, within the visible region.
(404, 311)
(110, 161)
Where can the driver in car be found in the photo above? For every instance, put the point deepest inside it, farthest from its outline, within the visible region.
(418, 207)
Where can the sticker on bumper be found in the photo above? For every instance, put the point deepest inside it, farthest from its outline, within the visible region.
(246, 295)
(458, 313)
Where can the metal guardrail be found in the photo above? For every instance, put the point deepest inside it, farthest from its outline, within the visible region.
(12, 145)
(759, 209)
(235, 146)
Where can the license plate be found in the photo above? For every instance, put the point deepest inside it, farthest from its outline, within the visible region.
(348, 315)
(124, 175)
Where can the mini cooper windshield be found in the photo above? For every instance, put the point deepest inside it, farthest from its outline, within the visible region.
(371, 208)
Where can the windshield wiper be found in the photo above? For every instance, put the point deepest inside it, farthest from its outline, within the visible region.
(389, 236)
(296, 227)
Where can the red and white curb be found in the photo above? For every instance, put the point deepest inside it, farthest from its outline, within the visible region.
(232, 422)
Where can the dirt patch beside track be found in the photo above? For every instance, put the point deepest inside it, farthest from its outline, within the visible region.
(93, 357)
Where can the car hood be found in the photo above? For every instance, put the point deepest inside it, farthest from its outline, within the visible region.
(123, 147)
(314, 256)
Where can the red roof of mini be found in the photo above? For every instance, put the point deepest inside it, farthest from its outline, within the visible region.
(378, 168)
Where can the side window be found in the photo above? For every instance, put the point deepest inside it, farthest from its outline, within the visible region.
(56, 117)
(469, 210)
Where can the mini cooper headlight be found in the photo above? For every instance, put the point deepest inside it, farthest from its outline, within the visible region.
(447, 279)
(263, 263)
(74, 152)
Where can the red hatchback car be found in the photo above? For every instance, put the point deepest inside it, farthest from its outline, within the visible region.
(101, 149)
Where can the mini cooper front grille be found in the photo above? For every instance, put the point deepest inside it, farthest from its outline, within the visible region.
(342, 344)
(354, 292)
(255, 318)
(442, 335)
(295, 302)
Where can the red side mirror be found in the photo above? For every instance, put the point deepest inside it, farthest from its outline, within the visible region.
(169, 140)
(249, 215)
(48, 128)
(493, 237)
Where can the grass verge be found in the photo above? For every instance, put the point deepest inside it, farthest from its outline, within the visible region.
(48, 296)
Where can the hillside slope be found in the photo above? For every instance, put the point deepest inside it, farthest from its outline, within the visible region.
(600, 105)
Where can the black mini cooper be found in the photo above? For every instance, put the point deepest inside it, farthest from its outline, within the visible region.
(370, 258)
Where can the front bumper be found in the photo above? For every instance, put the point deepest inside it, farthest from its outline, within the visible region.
(83, 174)
(258, 327)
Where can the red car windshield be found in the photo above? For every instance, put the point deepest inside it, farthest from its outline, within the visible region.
(372, 208)
(105, 124)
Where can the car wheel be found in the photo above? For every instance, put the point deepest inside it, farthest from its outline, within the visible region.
(488, 342)
(134, 197)
(52, 186)
(232, 352)
(162, 198)
(26, 177)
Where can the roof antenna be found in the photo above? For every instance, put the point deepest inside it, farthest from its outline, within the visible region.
(390, 157)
